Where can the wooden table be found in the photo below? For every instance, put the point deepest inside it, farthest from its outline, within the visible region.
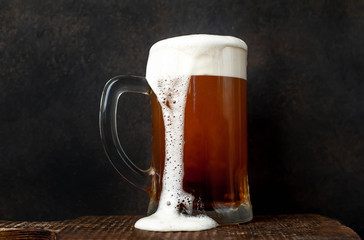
(303, 226)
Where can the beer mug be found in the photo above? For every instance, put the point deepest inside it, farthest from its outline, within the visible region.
(197, 85)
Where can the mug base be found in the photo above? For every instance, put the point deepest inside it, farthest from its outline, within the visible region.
(221, 214)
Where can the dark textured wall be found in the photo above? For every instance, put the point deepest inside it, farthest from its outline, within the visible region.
(305, 100)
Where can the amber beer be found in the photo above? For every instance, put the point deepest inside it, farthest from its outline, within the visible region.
(215, 149)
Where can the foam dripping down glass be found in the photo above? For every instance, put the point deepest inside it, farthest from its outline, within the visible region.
(198, 175)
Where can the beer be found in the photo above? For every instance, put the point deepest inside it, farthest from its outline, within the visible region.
(215, 143)
(199, 140)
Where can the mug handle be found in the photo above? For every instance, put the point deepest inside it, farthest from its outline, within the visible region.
(108, 127)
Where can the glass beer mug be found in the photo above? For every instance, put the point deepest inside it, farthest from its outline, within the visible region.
(197, 85)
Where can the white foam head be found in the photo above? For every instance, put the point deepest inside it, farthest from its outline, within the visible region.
(199, 54)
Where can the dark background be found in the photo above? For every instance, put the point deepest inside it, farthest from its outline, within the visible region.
(305, 102)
